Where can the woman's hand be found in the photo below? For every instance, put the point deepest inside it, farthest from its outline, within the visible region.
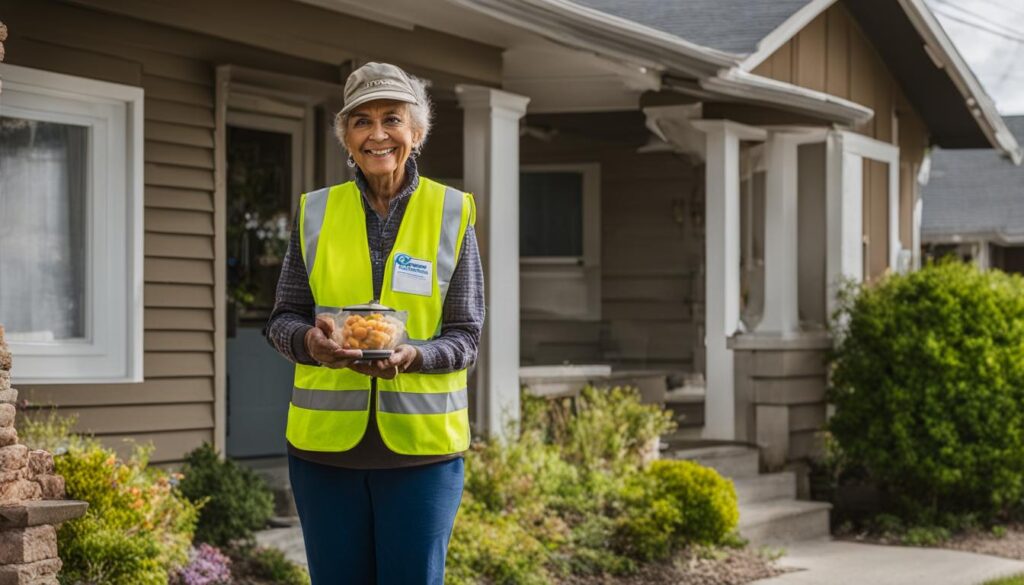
(324, 350)
(406, 358)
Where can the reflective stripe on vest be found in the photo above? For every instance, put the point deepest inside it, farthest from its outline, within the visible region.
(417, 414)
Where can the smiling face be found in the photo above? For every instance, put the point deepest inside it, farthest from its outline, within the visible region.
(380, 137)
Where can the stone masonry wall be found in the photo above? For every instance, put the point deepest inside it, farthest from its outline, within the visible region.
(31, 498)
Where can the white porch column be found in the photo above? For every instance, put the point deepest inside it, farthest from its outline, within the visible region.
(781, 247)
(722, 268)
(491, 172)
(780, 314)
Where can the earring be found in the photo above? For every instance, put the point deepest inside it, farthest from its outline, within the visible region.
(351, 162)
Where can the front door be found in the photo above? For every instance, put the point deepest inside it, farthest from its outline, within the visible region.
(264, 179)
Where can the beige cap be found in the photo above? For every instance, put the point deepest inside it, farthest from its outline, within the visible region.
(377, 81)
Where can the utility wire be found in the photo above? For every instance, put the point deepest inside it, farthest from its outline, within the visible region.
(980, 18)
(998, 33)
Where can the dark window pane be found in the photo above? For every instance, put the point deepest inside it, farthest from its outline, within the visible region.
(550, 214)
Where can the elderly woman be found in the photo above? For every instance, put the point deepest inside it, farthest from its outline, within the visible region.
(375, 446)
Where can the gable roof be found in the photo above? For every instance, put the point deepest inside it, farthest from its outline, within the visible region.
(974, 193)
(733, 26)
(955, 107)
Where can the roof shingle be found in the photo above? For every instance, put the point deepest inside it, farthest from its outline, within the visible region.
(975, 192)
(734, 26)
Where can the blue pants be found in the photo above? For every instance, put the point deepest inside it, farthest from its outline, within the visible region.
(376, 526)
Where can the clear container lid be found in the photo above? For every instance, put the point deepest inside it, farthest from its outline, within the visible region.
(373, 306)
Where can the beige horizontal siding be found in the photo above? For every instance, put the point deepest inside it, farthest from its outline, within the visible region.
(175, 154)
(179, 319)
(179, 246)
(156, 340)
(187, 135)
(172, 198)
(184, 271)
(156, 391)
(168, 447)
(174, 90)
(136, 418)
(179, 296)
(173, 221)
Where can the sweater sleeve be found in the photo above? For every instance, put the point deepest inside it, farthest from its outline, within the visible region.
(292, 315)
(462, 317)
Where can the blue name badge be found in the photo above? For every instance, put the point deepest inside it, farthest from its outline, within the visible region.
(412, 275)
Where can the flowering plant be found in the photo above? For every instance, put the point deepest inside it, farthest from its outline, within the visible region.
(206, 566)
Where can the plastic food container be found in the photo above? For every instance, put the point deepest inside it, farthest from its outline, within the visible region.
(373, 328)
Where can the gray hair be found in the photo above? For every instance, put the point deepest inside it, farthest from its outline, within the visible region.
(421, 114)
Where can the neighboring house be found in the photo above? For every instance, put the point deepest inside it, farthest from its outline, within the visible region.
(695, 176)
(974, 206)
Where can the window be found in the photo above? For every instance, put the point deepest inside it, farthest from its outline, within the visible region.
(71, 227)
(560, 241)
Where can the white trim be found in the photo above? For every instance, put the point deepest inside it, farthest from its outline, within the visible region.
(784, 32)
(585, 269)
(722, 272)
(941, 49)
(113, 349)
(844, 205)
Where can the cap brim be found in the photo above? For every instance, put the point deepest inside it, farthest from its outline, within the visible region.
(384, 94)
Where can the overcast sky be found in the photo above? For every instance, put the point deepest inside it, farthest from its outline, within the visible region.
(990, 36)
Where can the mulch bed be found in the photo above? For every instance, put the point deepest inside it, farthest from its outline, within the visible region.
(1010, 545)
(728, 567)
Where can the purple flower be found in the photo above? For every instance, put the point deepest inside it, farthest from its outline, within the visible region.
(206, 566)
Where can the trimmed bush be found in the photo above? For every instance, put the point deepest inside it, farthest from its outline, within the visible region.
(928, 384)
(137, 528)
(234, 501)
(673, 503)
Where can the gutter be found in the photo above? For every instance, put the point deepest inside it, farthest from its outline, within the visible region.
(740, 84)
(940, 48)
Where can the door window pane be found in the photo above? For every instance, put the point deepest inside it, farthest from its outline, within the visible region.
(42, 229)
(551, 214)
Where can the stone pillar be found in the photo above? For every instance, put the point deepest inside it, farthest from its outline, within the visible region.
(31, 498)
(491, 173)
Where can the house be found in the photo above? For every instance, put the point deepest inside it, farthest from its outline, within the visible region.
(672, 188)
(974, 206)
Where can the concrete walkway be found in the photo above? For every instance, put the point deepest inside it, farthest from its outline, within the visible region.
(849, 563)
(819, 563)
(287, 540)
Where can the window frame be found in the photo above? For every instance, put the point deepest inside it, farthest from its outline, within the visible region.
(112, 349)
(585, 268)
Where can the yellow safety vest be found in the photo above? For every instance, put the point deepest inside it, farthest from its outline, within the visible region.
(417, 414)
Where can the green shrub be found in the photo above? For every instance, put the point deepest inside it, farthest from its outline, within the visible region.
(602, 427)
(137, 527)
(928, 385)
(235, 501)
(488, 547)
(674, 503)
(569, 495)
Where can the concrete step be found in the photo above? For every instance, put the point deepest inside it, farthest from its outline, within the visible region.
(733, 461)
(778, 522)
(766, 487)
